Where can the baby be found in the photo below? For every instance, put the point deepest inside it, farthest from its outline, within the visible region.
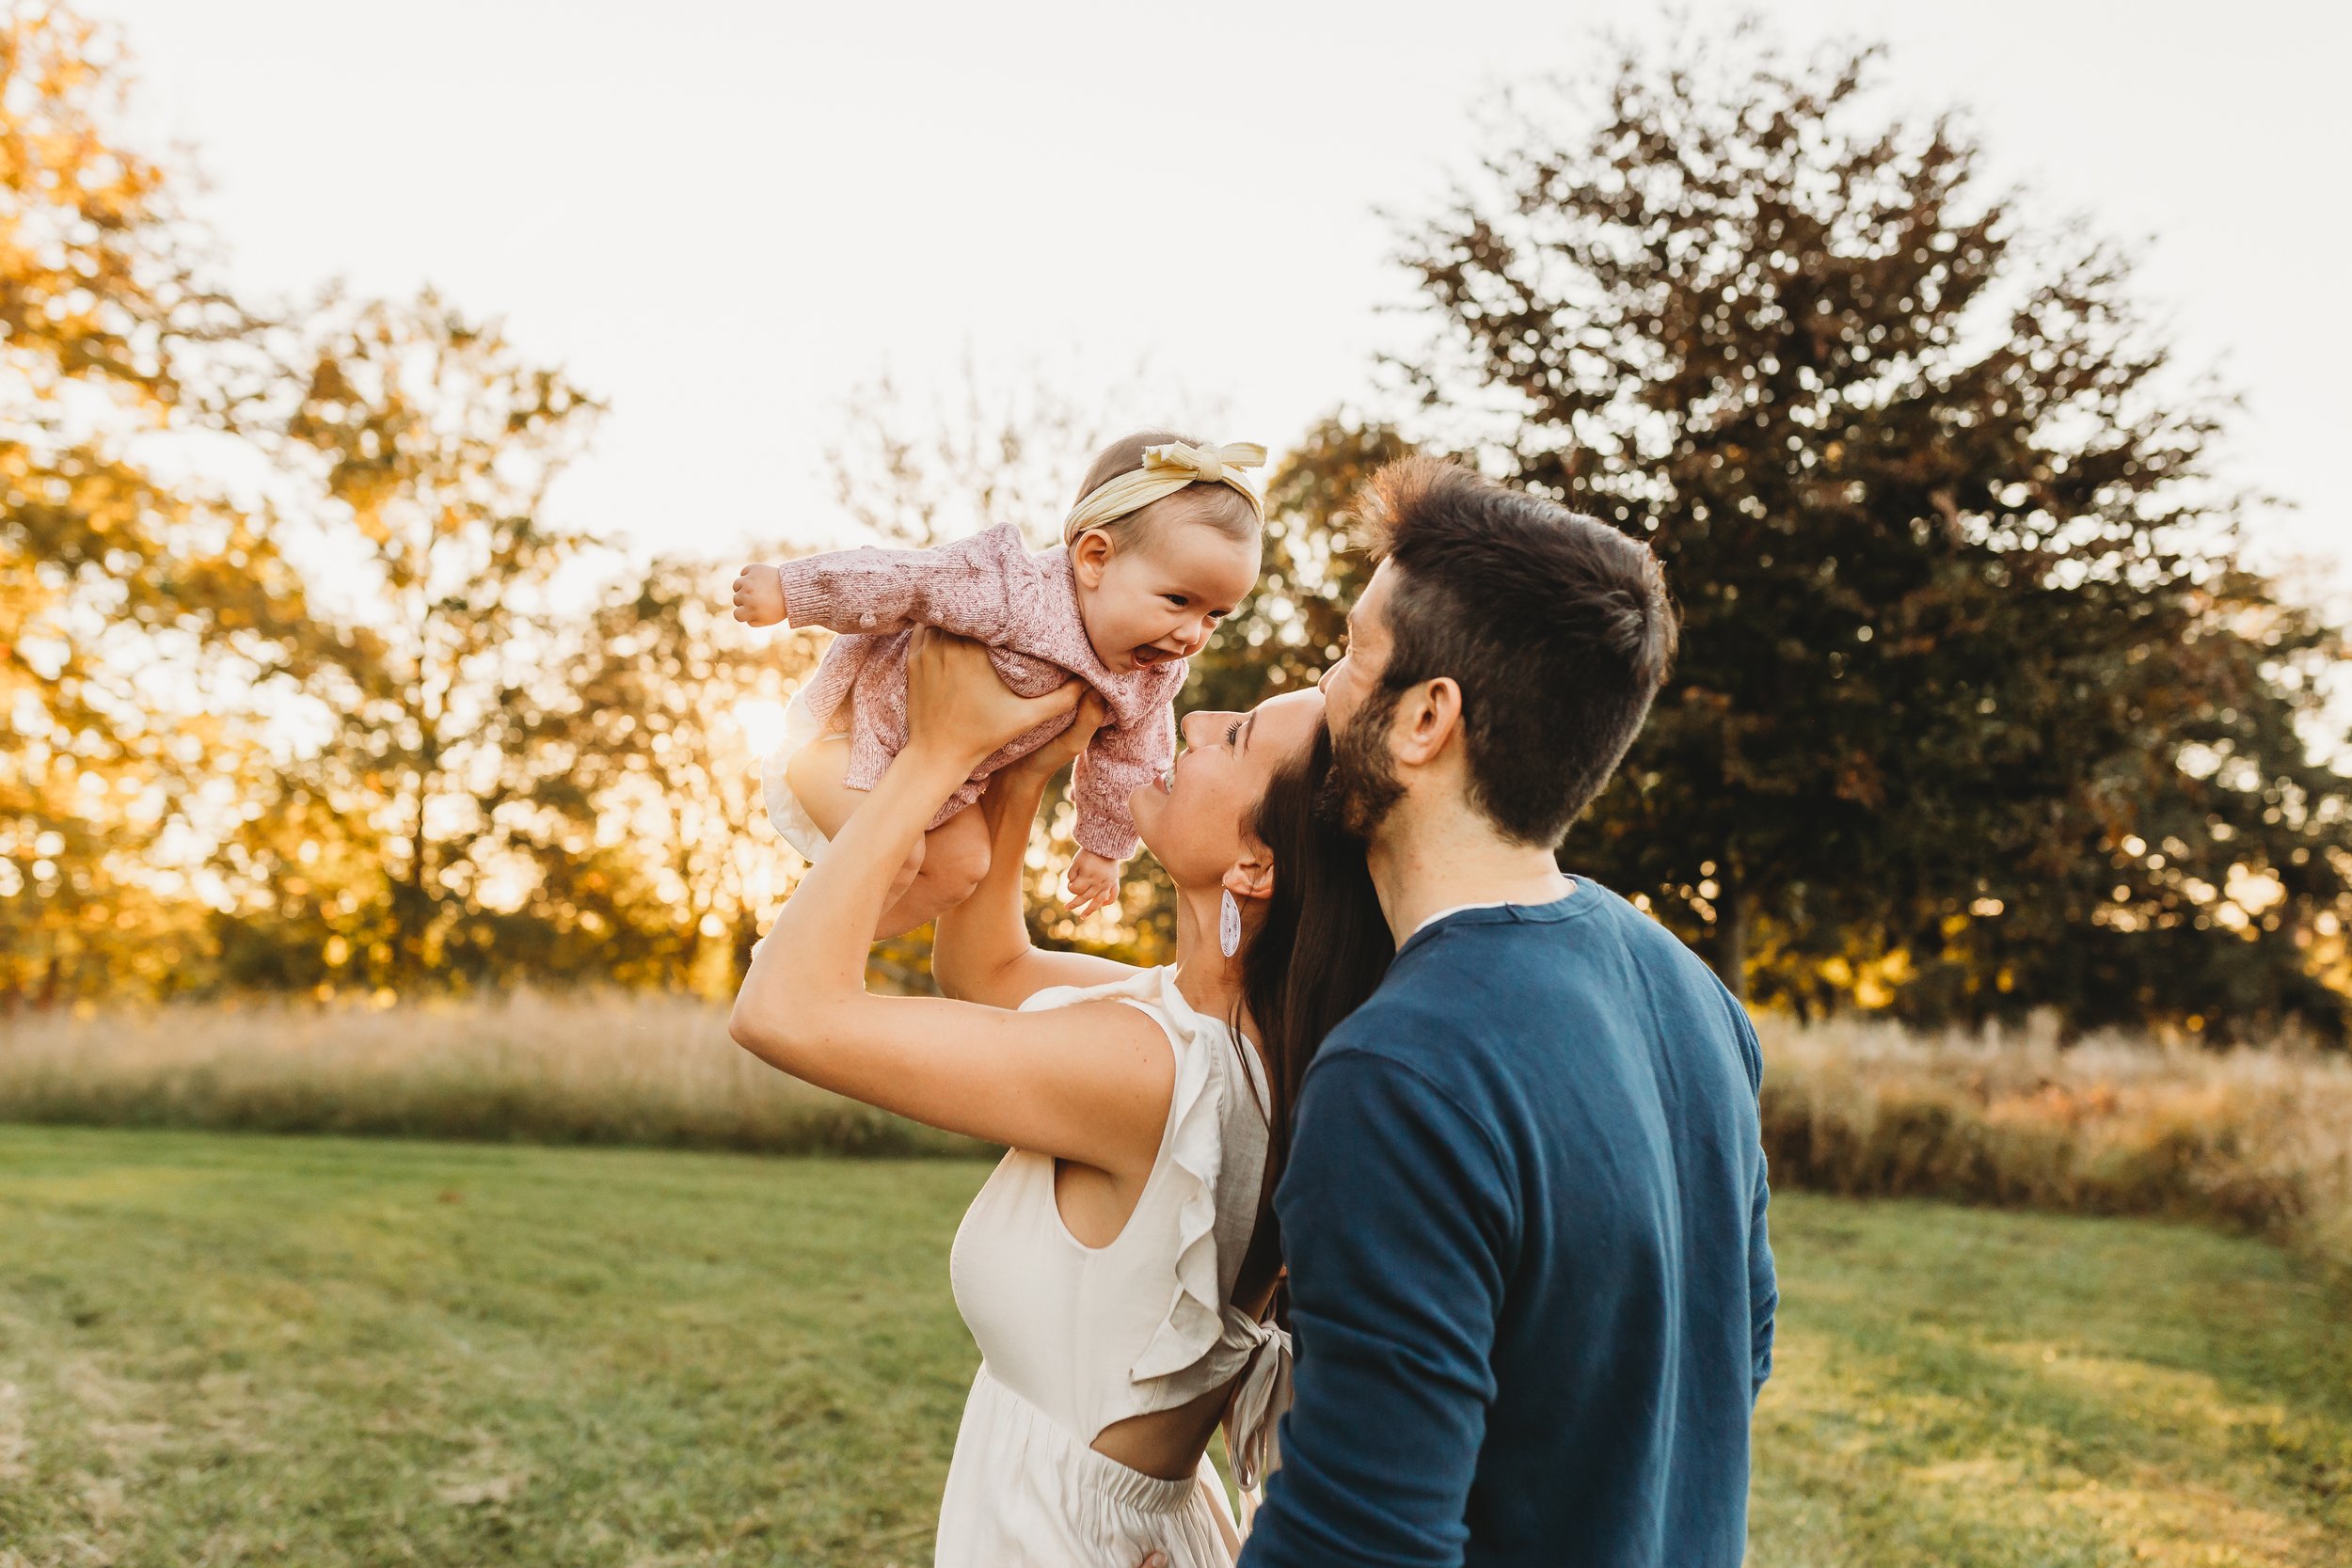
(1162, 542)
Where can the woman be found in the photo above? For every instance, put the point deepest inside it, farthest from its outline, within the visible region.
(1115, 1268)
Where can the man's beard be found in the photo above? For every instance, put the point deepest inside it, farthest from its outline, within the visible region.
(1362, 785)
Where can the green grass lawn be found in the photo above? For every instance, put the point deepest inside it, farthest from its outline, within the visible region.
(216, 1350)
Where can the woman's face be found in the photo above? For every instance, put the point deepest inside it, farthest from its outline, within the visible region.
(1195, 817)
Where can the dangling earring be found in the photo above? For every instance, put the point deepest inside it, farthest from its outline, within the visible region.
(1229, 925)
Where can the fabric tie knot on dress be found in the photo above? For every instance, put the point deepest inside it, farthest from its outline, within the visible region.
(1259, 1401)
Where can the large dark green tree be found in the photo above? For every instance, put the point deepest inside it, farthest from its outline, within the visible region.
(1976, 709)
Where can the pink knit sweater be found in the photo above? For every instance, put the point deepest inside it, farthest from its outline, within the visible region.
(1024, 607)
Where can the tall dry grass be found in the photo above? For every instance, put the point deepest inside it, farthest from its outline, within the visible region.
(2258, 1141)
(2255, 1140)
(560, 1067)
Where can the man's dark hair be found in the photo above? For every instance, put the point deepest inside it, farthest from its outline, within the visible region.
(1555, 625)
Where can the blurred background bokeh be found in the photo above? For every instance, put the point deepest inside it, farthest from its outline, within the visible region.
(387, 397)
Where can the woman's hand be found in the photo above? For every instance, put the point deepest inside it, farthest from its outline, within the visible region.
(957, 706)
(982, 952)
(1063, 749)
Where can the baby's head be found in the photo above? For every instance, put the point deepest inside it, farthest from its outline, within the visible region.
(1154, 583)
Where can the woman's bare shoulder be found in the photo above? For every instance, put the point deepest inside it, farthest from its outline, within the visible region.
(1027, 983)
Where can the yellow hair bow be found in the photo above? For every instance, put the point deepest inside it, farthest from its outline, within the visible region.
(1165, 470)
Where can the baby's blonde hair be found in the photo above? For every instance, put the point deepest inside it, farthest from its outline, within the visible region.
(1220, 506)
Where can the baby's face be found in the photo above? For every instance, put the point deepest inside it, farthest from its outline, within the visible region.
(1162, 598)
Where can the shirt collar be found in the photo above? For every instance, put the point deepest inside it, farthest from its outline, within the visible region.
(1490, 904)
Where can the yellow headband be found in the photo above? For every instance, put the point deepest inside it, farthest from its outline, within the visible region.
(1165, 470)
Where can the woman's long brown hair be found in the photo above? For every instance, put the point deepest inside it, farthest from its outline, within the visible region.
(1318, 954)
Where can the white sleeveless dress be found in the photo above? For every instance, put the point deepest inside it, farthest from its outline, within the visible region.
(1074, 1338)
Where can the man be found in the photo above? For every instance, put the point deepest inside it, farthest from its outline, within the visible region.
(1523, 1213)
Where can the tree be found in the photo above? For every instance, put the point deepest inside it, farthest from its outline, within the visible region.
(1291, 629)
(655, 864)
(1966, 635)
(138, 616)
(432, 441)
(986, 451)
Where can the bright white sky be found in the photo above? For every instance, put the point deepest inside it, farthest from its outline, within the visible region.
(721, 214)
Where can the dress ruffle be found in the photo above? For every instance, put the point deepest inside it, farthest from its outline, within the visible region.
(1202, 1332)
(1201, 1339)
(1194, 1325)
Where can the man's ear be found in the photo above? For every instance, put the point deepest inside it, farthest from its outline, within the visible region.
(1427, 717)
(1090, 555)
(1252, 876)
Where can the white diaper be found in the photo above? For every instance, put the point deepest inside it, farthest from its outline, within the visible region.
(784, 810)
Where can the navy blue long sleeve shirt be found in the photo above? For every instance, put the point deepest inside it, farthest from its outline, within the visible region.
(1524, 1220)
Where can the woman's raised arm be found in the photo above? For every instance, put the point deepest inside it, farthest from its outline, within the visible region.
(981, 951)
(1088, 1083)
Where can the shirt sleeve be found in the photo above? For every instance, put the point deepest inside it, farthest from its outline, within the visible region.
(1120, 760)
(1763, 1282)
(1397, 1224)
(978, 587)
(1763, 1279)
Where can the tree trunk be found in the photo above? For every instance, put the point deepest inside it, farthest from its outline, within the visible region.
(409, 905)
(1731, 937)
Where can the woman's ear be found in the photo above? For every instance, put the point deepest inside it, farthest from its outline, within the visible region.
(1090, 555)
(1252, 876)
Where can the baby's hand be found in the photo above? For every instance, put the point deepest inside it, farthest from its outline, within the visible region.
(758, 596)
(1093, 883)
